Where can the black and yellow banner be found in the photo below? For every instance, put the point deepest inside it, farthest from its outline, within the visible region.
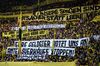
(24, 34)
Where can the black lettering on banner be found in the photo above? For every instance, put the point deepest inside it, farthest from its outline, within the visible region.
(32, 17)
(56, 18)
(88, 8)
(70, 52)
(59, 43)
(63, 43)
(16, 44)
(34, 33)
(12, 51)
(41, 13)
(52, 17)
(51, 12)
(43, 43)
(91, 8)
(42, 32)
(59, 52)
(64, 11)
(32, 52)
(48, 18)
(24, 44)
(41, 17)
(47, 51)
(83, 42)
(38, 44)
(76, 10)
(32, 44)
(9, 51)
(67, 17)
(55, 44)
(74, 16)
(15, 51)
(48, 44)
(41, 48)
(25, 51)
(54, 52)
(62, 17)
(73, 43)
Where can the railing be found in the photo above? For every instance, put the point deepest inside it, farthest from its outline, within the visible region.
(23, 8)
(49, 2)
(29, 9)
(38, 4)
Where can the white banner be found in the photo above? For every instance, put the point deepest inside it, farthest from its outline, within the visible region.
(56, 42)
(44, 26)
(35, 51)
(36, 43)
(44, 47)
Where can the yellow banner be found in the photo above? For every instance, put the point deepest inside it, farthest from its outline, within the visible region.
(25, 33)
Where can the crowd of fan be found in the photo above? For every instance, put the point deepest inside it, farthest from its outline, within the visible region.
(73, 29)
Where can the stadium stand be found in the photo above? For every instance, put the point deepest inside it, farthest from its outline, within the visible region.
(88, 55)
(73, 30)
